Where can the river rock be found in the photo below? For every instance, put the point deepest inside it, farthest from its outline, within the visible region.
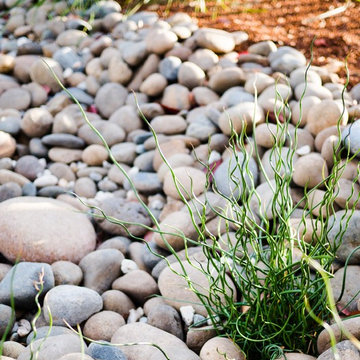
(218, 347)
(351, 137)
(15, 98)
(228, 176)
(324, 115)
(191, 182)
(105, 351)
(154, 84)
(176, 97)
(44, 230)
(101, 268)
(53, 347)
(66, 273)
(111, 132)
(140, 332)
(168, 124)
(166, 318)
(286, 59)
(7, 145)
(12, 349)
(9, 190)
(226, 79)
(174, 288)
(160, 41)
(324, 341)
(23, 283)
(216, 40)
(71, 37)
(102, 326)
(169, 67)
(190, 75)
(109, 98)
(137, 284)
(346, 350)
(72, 303)
(350, 238)
(124, 211)
(310, 170)
(241, 117)
(41, 74)
(6, 318)
(118, 301)
(64, 155)
(94, 155)
(36, 122)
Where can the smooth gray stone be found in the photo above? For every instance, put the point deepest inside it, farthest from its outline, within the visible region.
(52, 191)
(169, 67)
(37, 148)
(45, 331)
(68, 58)
(81, 96)
(29, 189)
(9, 191)
(22, 282)
(105, 352)
(10, 125)
(6, 318)
(63, 140)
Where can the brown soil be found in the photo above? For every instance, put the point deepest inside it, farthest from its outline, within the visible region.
(289, 22)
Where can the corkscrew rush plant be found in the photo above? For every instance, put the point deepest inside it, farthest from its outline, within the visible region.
(268, 259)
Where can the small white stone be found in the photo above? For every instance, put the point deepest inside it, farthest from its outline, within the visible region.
(140, 149)
(304, 150)
(63, 183)
(187, 314)
(101, 196)
(82, 85)
(42, 162)
(24, 328)
(46, 180)
(133, 171)
(128, 265)
(135, 315)
(216, 319)
(95, 176)
(214, 156)
(106, 164)
(143, 319)
(81, 165)
(67, 72)
(73, 167)
(156, 205)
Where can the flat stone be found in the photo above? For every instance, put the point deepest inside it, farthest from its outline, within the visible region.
(139, 332)
(44, 230)
(63, 140)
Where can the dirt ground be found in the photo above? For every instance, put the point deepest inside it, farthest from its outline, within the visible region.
(290, 22)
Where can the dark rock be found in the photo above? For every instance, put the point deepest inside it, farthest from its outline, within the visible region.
(23, 281)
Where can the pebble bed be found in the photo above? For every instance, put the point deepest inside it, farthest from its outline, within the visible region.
(187, 82)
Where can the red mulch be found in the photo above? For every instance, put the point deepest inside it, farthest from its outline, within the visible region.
(289, 22)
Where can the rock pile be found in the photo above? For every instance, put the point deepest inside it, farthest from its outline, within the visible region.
(188, 83)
